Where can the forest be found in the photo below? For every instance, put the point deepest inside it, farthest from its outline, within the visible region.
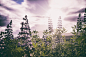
(29, 44)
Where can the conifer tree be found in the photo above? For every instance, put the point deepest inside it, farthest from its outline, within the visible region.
(50, 25)
(8, 33)
(85, 20)
(79, 23)
(24, 36)
(7, 40)
(25, 33)
(59, 30)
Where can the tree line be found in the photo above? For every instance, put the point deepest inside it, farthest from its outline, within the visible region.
(45, 46)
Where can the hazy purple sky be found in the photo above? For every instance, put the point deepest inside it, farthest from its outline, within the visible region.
(38, 11)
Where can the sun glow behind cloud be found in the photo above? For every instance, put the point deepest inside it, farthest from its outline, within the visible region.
(54, 12)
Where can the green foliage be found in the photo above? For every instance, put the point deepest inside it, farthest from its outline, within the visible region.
(12, 50)
(35, 34)
(76, 47)
(49, 39)
(41, 49)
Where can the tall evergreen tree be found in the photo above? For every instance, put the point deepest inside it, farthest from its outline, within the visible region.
(58, 30)
(24, 36)
(8, 37)
(50, 25)
(79, 23)
(8, 33)
(85, 20)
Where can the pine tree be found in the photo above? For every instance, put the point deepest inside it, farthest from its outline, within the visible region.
(59, 24)
(79, 23)
(24, 36)
(50, 26)
(7, 38)
(8, 33)
(85, 20)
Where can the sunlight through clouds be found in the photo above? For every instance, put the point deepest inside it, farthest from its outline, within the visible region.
(42, 9)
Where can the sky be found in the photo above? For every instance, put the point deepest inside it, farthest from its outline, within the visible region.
(38, 11)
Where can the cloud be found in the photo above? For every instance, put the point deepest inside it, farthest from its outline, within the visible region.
(17, 11)
(81, 2)
(39, 27)
(73, 18)
(37, 9)
(38, 16)
(3, 20)
(38, 6)
(78, 11)
(6, 7)
(65, 9)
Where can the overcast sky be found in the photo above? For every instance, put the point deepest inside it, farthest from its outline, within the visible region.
(37, 12)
